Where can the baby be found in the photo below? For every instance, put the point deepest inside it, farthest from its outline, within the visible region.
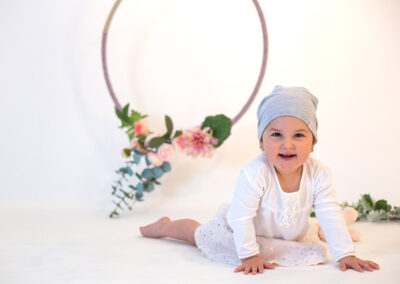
(268, 220)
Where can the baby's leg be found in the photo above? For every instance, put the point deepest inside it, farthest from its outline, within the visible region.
(182, 230)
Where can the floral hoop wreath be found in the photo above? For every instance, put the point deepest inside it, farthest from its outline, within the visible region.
(148, 153)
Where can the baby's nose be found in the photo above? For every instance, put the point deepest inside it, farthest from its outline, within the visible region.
(288, 144)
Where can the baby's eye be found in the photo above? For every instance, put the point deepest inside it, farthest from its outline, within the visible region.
(276, 134)
(299, 135)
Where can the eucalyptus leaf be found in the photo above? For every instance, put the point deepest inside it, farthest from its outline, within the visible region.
(166, 167)
(147, 161)
(117, 204)
(129, 170)
(149, 187)
(113, 214)
(138, 152)
(376, 215)
(147, 173)
(123, 170)
(139, 196)
(136, 158)
(158, 172)
(139, 187)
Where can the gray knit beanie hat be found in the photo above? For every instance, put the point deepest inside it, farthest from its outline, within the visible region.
(292, 101)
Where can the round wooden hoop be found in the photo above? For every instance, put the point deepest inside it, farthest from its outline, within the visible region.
(255, 89)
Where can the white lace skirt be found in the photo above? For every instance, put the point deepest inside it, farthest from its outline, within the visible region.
(215, 240)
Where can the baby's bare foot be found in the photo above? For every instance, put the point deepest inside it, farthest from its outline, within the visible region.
(154, 230)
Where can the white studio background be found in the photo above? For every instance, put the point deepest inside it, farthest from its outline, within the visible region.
(60, 143)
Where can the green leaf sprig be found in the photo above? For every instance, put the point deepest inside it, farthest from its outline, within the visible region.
(372, 211)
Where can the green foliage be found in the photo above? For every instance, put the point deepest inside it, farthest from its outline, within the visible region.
(220, 125)
(128, 120)
(177, 133)
(366, 203)
(170, 127)
(157, 141)
(127, 152)
(123, 116)
(382, 205)
(372, 211)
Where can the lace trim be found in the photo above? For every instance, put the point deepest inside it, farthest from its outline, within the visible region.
(290, 209)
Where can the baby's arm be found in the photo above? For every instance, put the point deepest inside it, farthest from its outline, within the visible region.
(240, 218)
(334, 226)
(254, 264)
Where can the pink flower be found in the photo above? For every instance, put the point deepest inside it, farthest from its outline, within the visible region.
(179, 143)
(196, 141)
(165, 152)
(154, 159)
(141, 127)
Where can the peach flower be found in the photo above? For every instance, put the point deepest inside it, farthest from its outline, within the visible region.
(141, 127)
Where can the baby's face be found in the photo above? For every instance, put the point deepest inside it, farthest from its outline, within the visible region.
(287, 143)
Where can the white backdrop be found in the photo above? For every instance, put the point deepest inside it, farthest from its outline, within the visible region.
(60, 143)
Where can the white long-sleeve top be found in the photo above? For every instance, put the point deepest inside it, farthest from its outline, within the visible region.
(261, 208)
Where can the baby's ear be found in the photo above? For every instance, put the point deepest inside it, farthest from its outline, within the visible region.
(313, 144)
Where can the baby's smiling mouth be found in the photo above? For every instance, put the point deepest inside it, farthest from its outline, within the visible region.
(287, 156)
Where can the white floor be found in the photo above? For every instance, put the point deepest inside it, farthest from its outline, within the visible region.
(87, 247)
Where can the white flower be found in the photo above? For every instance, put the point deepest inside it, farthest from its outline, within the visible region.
(154, 159)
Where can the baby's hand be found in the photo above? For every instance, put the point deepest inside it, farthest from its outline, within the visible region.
(254, 264)
(357, 264)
